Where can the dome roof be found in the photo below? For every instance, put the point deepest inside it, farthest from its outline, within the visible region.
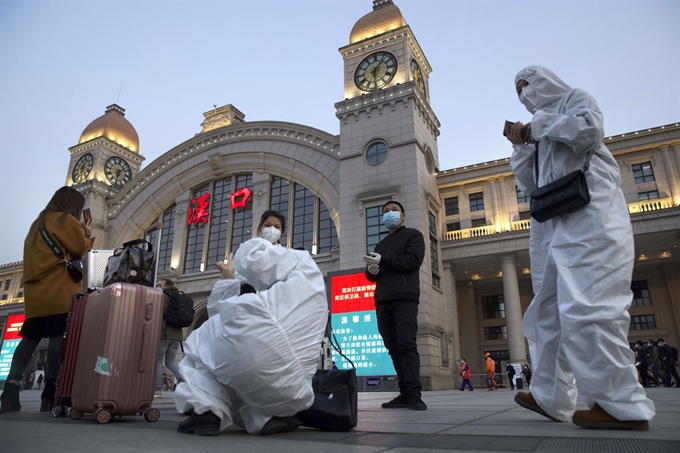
(112, 125)
(384, 17)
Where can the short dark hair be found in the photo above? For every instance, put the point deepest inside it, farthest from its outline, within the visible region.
(661, 339)
(168, 281)
(397, 203)
(639, 342)
(277, 214)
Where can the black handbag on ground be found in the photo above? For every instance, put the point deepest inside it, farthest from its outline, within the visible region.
(74, 267)
(335, 400)
(131, 264)
(566, 194)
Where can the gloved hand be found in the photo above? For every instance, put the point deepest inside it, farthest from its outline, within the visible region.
(373, 269)
(372, 258)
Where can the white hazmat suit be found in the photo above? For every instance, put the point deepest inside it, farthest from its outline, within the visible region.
(255, 356)
(581, 263)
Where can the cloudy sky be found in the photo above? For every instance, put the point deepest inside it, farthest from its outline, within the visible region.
(62, 62)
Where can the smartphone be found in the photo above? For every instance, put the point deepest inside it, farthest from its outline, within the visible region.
(506, 128)
(87, 215)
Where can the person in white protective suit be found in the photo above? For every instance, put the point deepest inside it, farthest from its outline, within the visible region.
(581, 265)
(252, 362)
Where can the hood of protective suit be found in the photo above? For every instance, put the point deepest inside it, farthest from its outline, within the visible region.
(262, 264)
(548, 87)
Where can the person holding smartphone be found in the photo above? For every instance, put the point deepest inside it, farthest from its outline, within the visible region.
(48, 289)
(581, 265)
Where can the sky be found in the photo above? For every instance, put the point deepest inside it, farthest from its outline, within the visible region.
(63, 62)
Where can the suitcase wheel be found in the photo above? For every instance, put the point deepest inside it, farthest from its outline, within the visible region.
(76, 414)
(103, 416)
(152, 415)
(58, 411)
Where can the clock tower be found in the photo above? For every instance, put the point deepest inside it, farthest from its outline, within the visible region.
(388, 151)
(104, 160)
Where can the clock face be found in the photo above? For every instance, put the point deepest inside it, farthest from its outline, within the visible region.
(117, 171)
(82, 168)
(375, 71)
(417, 75)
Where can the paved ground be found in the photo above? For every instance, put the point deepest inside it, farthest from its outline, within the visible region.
(456, 421)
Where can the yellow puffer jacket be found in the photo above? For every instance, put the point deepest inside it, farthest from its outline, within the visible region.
(48, 287)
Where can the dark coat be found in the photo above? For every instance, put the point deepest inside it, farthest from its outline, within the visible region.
(402, 254)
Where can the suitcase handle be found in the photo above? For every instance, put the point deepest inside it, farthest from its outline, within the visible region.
(147, 344)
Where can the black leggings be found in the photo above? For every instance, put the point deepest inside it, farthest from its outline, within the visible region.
(25, 351)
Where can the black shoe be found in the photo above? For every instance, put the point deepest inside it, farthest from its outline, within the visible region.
(416, 403)
(10, 399)
(206, 424)
(400, 402)
(47, 397)
(280, 425)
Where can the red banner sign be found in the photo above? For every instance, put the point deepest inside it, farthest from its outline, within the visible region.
(351, 292)
(14, 323)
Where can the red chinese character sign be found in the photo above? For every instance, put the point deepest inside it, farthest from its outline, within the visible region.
(355, 325)
(237, 202)
(198, 210)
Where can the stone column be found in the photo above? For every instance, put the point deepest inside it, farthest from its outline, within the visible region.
(451, 310)
(671, 170)
(495, 205)
(504, 205)
(513, 309)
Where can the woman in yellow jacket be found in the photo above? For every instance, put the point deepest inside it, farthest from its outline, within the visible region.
(48, 290)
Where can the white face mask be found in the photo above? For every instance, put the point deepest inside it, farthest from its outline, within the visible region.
(271, 234)
(528, 97)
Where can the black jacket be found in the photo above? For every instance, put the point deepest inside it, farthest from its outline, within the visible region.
(402, 254)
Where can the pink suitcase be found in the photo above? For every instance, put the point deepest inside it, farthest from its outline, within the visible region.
(115, 371)
(69, 354)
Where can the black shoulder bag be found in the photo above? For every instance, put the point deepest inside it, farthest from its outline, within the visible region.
(566, 194)
(335, 399)
(74, 267)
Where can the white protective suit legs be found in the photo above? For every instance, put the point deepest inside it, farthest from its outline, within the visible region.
(578, 320)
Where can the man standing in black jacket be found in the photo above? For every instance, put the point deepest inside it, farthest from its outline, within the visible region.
(394, 267)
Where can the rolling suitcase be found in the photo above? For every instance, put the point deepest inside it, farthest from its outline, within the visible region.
(69, 354)
(115, 372)
(519, 383)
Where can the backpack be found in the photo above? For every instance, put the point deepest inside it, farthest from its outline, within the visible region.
(180, 310)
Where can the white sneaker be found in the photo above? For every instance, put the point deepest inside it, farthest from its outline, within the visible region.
(157, 393)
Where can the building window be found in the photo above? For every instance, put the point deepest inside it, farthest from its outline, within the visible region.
(193, 257)
(434, 249)
(476, 201)
(328, 237)
(376, 153)
(640, 294)
(525, 215)
(219, 221)
(279, 200)
(429, 161)
(644, 322)
(476, 223)
(242, 217)
(522, 197)
(455, 226)
(3, 296)
(164, 252)
(643, 172)
(451, 206)
(375, 230)
(7, 283)
(493, 307)
(496, 333)
(303, 218)
(644, 196)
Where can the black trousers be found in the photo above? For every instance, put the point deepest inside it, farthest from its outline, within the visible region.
(398, 326)
(669, 367)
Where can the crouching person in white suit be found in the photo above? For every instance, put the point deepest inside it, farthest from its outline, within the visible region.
(251, 364)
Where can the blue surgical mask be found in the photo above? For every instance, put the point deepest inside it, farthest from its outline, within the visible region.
(391, 219)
